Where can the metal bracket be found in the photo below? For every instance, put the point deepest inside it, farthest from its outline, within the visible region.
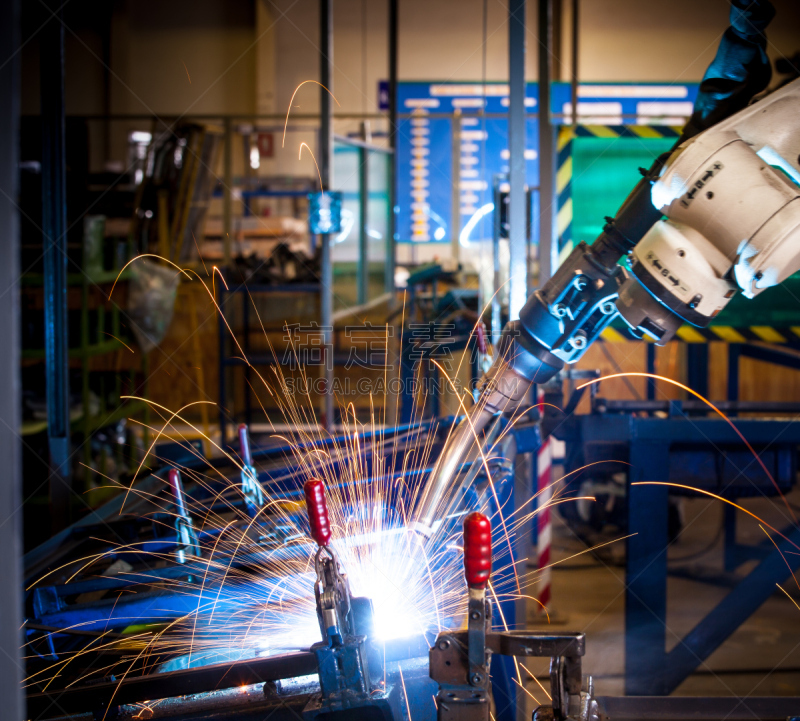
(463, 697)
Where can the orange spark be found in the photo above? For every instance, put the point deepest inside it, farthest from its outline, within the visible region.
(120, 341)
(286, 124)
(315, 163)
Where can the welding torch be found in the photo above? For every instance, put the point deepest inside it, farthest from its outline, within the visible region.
(503, 388)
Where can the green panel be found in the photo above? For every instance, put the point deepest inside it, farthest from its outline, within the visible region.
(344, 251)
(604, 171)
(778, 307)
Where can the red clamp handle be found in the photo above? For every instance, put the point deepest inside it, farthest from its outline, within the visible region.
(177, 490)
(244, 445)
(477, 550)
(317, 511)
(480, 337)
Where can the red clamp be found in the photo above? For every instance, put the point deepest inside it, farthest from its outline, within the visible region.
(177, 491)
(477, 550)
(480, 337)
(314, 491)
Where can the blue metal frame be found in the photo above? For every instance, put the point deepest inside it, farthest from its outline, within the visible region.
(656, 446)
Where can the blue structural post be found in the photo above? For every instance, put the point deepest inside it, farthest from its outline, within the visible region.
(731, 612)
(54, 232)
(503, 668)
(697, 357)
(651, 368)
(646, 579)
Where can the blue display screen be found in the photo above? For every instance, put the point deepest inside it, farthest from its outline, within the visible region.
(439, 195)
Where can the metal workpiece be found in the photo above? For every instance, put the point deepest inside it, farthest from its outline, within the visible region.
(78, 698)
(688, 708)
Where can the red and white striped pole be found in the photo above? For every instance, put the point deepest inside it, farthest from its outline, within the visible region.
(544, 529)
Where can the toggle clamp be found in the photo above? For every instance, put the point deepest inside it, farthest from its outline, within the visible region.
(460, 661)
(350, 666)
(250, 487)
(187, 543)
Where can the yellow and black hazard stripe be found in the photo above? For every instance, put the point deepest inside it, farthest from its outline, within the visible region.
(564, 191)
(627, 131)
(725, 333)
(566, 136)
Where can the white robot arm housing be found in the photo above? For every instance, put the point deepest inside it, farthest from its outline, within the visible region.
(731, 197)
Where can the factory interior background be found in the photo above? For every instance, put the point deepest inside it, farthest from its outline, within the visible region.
(248, 245)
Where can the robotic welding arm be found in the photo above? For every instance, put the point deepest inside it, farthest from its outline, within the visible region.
(729, 191)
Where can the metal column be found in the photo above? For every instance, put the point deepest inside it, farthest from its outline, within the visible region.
(227, 190)
(517, 272)
(54, 232)
(363, 219)
(325, 162)
(10, 403)
(391, 238)
(548, 253)
(574, 59)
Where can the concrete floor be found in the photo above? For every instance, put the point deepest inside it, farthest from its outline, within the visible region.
(761, 658)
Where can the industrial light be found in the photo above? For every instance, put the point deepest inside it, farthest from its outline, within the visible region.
(484, 210)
